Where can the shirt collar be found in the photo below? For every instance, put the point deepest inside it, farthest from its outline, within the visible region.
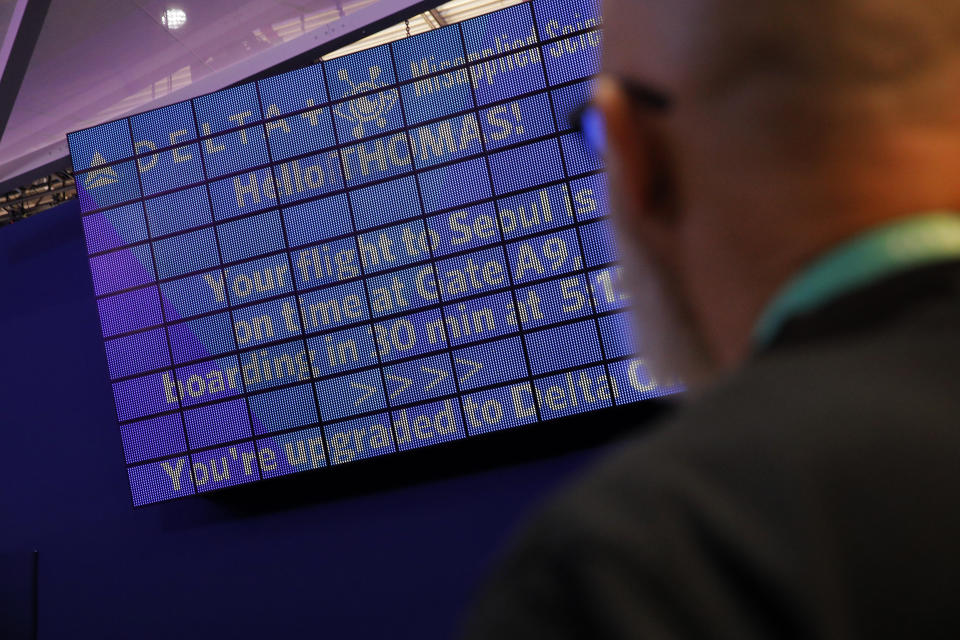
(870, 256)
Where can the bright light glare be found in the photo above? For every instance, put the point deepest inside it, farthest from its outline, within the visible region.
(173, 18)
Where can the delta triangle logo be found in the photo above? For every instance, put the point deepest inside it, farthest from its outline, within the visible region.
(102, 176)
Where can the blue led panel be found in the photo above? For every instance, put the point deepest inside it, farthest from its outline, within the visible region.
(390, 250)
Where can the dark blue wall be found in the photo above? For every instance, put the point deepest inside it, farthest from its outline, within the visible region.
(391, 549)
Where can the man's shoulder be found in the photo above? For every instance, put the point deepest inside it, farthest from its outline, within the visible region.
(863, 386)
(811, 494)
(808, 415)
(760, 507)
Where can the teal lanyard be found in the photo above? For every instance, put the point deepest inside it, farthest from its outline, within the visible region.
(871, 256)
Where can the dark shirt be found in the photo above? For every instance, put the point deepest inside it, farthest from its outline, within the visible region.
(813, 494)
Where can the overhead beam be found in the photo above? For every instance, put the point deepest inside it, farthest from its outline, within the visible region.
(16, 50)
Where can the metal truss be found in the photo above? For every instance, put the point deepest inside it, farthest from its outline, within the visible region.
(40, 195)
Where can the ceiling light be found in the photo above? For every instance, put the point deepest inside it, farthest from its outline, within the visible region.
(174, 18)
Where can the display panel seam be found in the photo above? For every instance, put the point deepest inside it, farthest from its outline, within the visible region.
(583, 256)
(229, 303)
(326, 377)
(366, 291)
(513, 292)
(333, 194)
(464, 252)
(166, 334)
(283, 231)
(433, 263)
(434, 305)
(374, 412)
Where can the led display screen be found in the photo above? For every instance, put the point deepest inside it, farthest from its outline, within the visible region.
(388, 250)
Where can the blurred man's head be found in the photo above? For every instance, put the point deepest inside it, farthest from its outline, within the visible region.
(794, 125)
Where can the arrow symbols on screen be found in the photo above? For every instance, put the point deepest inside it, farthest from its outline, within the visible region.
(476, 366)
(440, 374)
(404, 383)
(367, 391)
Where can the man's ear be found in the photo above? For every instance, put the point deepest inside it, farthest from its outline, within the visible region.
(638, 158)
